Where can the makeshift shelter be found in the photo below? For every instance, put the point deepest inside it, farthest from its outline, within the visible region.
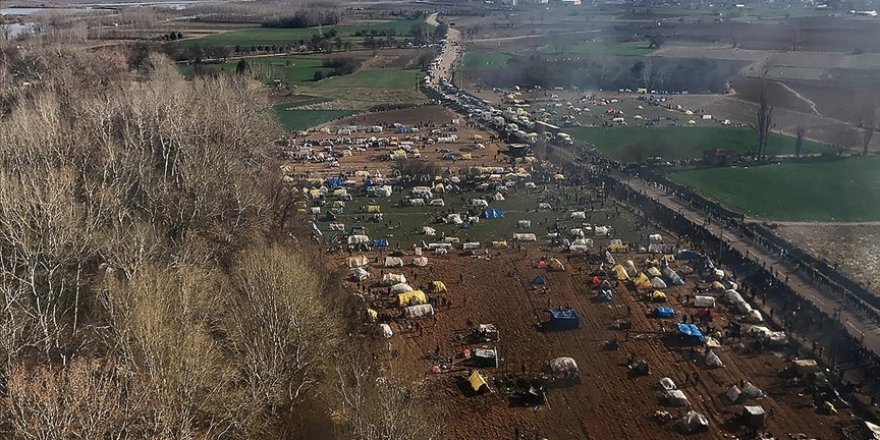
(524, 224)
(437, 287)
(605, 294)
(492, 213)
(393, 262)
(576, 232)
(667, 384)
(642, 282)
(539, 280)
(693, 422)
(555, 265)
(358, 239)
(437, 202)
(499, 244)
(359, 274)
(390, 279)
(675, 398)
(602, 231)
(563, 319)
(541, 265)
(360, 260)
(654, 272)
(485, 357)
(658, 296)
(564, 365)
(664, 312)
(752, 391)
(380, 243)
(412, 298)
(477, 382)
(416, 202)
(631, 268)
(385, 330)
(712, 360)
(420, 261)
(754, 416)
(401, 288)
(525, 237)
(616, 245)
(374, 209)
(479, 203)
(419, 311)
(691, 331)
(429, 231)
(470, 245)
(487, 333)
(704, 301)
(657, 283)
(620, 273)
(733, 393)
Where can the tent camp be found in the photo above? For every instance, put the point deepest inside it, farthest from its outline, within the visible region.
(390, 279)
(492, 213)
(691, 331)
(620, 273)
(401, 288)
(477, 382)
(412, 298)
(563, 319)
(419, 311)
(393, 262)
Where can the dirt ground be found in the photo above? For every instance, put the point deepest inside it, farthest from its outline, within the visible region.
(607, 404)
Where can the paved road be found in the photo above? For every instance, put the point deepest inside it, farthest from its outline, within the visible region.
(451, 51)
(855, 324)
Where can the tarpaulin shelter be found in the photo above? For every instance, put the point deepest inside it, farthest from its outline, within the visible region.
(616, 245)
(501, 244)
(693, 422)
(437, 287)
(675, 398)
(631, 268)
(654, 272)
(664, 312)
(658, 296)
(667, 384)
(704, 301)
(620, 273)
(419, 311)
(334, 182)
(555, 265)
(393, 262)
(685, 254)
(412, 298)
(581, 215)
(380, 243)
(541, 265)
(390, 279)
(657, 283)
(374, 209)
(372, 315)
(401, 288)
(485, 357)
(712, 360)
(385, 329)
(360, 274)
(477, 382)
(358, 239)
(691, 331)
(525, 237)
(479, 203)
(539, 280)
(563, 319)
(492, 213)
(420, 261)
(605, 294)
(754, 416)
(642, 281)
(360, 260)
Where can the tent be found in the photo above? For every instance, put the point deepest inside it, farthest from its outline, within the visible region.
(754, 416)
(691, 331)
(580, 215)
(479, 203)
(386, 330)
(488, 332)
(545, 206)
(485, 357)
(539, 280)
(675, 398)
(693, 422)
(631, 268)
(380, 243)
(477, 382)
(419, 311)
(470, 245)
(358, 239)
(642, 281)
(733, 393)
(752, 391)
(401, 288)
(654, 272)
(576, 232)
(658, 296)
(605, 293)
(616, 245)
(541, 265)
(657, 283)
(667, 384)
(416, 202)
(524, 224)
(556, 265)
(499, 244)
(437, 287)
(374, 209)
(565, 365)
(712, 360)
(412, 298)
(358, 261)
(393, 262)
(360, 274)
(525, 237)
(391, 279)
(493, 213)
(704, 301)
(664, 312)
(563, 319)
(429, 231)
(602, 231)
(620, 273)
(437, 202)
(420, 261)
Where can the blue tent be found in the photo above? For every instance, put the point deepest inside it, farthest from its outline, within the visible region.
(368, 182)
(563, 319)
(334, 182)
(686, 255)
(539, 280)
(380, 243)
(664, 312)
(493, 213)
(692, 331)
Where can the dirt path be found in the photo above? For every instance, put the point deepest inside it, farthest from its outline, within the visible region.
(801, 97)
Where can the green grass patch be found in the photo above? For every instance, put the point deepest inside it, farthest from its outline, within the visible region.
(635, 144)
(477, 61)
(396, 79)
(865, 61)
(633, 49)
(294, 119)
(291, 37)
(838, 190)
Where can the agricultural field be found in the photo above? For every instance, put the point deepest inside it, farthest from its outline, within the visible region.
(839, 190)
(295, 118)
(393, 79)
(865, 61)
(477, 61)
(680, 143)
(633, 49)
(293, 70)
(292, 36)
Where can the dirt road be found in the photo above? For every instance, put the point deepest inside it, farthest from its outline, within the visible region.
(450, 52)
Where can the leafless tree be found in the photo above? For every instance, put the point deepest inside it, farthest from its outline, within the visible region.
(800, 132)
(870, 118)
(764, 121)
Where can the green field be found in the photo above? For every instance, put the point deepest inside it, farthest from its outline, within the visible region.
(477, 61)
(385, 79)
(868, 61)
(635, 48)
(294, 70)
(635, 144)
(839, 190)
(291, 36)
(296, 119)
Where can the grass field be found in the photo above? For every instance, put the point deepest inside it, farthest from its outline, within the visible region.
(288, 37)
(295, 70)
(477, 61)
(295, 119)
(839, 190)
(635, 48)
(635, 144)
(865, 61)
(395, 79)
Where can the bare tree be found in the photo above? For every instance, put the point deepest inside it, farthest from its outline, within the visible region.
(800, 132)
(764, 121)
(870, 118)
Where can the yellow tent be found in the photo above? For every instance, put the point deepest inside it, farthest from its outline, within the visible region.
(499, 244)
(642, 281)
(718, 287)
(314, 193)
(477, 381)
(617, 246)
(372, 209)
(620, 273)
(466, 156)
(654, 272)
(658, 296)
(412, 298)
(438, 286)
(556, 265)
(439, 188)
(372, 315)
(478, 137)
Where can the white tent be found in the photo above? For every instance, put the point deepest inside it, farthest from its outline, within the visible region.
(437, 202)
(429, 231)
(576, 232)
(393, 262)
(733, 393)
(416, 202)
(544, 205)
(675, 398)
(704, 301)
(385, 329)
(525, 237)
(360, 260)
(391, 279)
(755, 316)
(420, 261)
(655, 238)
(563, 365)
(360, 274)
(523, 224)
(401, 288)
(694, 421)
(471, 245)
(631, 268)
(358, 239)
(479, 203)
(418, 311)
(454, 218)
(667, 384)
(579, 215)
(531, 185)
(657, 283)
(499, 197)
(712, 360)
(601, 231)
(752, 391)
